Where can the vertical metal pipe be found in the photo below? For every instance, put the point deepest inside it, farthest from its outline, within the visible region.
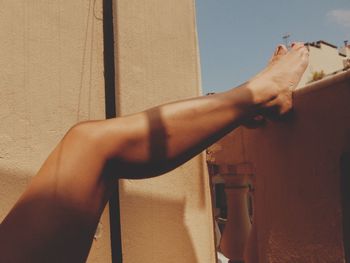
(110, 106)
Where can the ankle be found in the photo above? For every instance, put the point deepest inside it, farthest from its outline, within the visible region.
(262, 91)
(242, 100)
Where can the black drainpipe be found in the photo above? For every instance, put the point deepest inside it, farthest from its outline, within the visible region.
(110, 106)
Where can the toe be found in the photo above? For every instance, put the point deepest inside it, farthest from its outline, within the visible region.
(279, 51)
(297, 45)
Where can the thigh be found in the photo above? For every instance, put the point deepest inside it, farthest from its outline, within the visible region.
(55, 218)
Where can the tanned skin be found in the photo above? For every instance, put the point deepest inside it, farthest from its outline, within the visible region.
(56, 217)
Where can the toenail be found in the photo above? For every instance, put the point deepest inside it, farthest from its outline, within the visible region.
(279, 47)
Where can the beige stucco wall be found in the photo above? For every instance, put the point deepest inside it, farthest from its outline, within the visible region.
(298, 206)
(51, 75)
(169, 218)
(324, 58)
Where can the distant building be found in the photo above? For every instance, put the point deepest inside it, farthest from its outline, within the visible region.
(325, 59)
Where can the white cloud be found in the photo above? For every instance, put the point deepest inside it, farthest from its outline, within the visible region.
(340, 16)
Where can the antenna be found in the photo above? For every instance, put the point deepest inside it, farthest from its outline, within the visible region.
(286, 39)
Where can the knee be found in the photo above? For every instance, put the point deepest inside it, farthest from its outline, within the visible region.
(85, 135)
(85, 130)
(112, 139)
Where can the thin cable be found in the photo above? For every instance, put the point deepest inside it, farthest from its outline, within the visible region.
(83, 62)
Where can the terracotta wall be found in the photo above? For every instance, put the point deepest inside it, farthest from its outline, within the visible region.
(51, 74)
(301, 210)
(169, 218)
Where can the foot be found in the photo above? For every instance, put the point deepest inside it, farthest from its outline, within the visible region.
(259, 120)
(272, 88)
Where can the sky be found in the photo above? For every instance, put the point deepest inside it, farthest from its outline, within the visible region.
(237, 37)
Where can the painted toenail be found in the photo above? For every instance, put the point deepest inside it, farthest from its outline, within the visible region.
(279, 47)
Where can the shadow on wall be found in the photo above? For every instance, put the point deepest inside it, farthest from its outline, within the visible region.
(161, 222)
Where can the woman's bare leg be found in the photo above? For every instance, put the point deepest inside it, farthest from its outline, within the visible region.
(55, 218)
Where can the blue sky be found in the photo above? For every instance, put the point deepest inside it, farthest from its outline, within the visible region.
(237, 37)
